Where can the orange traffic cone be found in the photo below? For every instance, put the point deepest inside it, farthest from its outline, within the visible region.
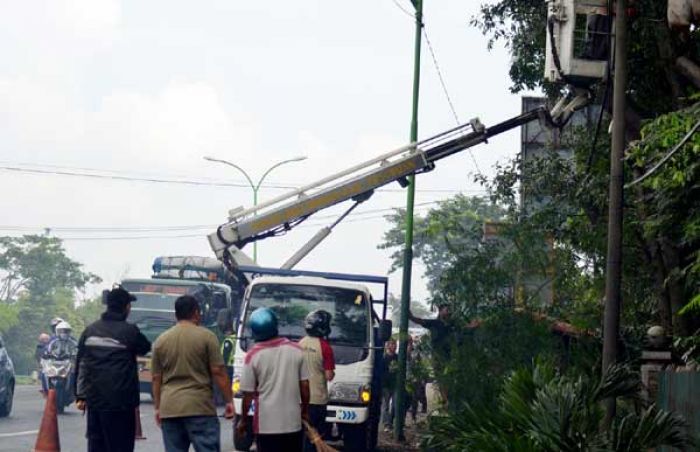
(139, 431)
(47, 440)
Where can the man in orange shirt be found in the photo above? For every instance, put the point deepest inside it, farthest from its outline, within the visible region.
(320, 363)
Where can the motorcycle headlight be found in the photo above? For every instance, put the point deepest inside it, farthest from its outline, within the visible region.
(349, 393)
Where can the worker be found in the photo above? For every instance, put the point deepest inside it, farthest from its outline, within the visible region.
(106, 376)
(275, 374)
(442, 332)
(389, 371)
(320, 363)
(228, 347)
(185, 365)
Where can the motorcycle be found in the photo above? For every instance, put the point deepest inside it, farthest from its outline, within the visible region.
(58, 372)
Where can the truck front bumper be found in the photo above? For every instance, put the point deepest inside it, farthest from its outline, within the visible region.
(340, 414)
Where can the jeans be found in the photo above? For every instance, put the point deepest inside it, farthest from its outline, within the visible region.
(202, 432)
(111, 431)
(387, 408)
(317, 416)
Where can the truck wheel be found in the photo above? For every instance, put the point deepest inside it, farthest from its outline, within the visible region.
(360, 437)
(246, 442)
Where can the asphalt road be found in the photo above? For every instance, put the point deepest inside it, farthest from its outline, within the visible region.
(18, 431)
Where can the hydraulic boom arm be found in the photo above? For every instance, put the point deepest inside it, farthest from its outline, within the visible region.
(281, 214)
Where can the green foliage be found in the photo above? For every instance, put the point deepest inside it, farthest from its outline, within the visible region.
(457, 223)
(504, 341)
(38, 281)
(539, 409)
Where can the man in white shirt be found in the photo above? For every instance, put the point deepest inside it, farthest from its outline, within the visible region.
(275, 377)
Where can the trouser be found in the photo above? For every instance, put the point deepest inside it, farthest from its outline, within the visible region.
(111, 431)
(387, 416)
(317, 418)
(282, 442)
(202, 432)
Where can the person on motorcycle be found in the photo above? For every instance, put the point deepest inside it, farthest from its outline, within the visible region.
(54, 322)
(39, 352)
(63, 345)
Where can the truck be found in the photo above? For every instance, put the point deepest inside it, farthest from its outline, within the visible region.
(154, 312)
(358, 332)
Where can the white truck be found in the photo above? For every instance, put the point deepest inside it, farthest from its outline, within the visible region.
(358, 332)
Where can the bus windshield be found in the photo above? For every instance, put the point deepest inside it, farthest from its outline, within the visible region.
(292, 302)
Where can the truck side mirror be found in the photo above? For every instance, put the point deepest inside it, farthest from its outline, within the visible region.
(385, 330)
(105, 293)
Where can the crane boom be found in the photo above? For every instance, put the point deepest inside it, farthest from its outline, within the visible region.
(357, 183)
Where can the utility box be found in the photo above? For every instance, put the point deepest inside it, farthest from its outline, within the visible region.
(578, 41)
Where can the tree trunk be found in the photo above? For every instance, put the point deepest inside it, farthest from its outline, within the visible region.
(674, 284)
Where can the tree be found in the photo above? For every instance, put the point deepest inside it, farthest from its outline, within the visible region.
(456, 224)
(659, 248)
(39, 281)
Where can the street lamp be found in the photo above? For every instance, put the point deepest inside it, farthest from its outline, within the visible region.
(255, 186)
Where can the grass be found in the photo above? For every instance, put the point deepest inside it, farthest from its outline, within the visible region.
(24, 380)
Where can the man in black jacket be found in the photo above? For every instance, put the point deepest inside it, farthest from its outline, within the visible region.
(106, 376)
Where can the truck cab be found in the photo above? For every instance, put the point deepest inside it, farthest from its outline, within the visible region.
(357, 337)
(154, 310)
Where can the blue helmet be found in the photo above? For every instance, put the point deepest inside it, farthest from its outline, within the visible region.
(263, 324)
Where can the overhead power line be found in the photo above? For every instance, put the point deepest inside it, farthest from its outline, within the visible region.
(121, 176)
(446, 92)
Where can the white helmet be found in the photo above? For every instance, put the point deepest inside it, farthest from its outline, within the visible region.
(55, 321)
(63, 325)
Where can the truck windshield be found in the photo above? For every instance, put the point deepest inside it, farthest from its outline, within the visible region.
(153, 313)
(292, 302)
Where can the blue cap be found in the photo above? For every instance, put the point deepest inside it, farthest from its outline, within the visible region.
(263, 324)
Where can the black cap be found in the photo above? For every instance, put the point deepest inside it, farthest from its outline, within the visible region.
(119, 298)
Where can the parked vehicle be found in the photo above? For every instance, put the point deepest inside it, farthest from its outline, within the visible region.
(7, 381)
(58, 372)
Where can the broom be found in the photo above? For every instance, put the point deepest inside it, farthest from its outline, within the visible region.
(316, 440)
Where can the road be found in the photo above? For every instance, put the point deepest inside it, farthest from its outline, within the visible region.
(18, 432)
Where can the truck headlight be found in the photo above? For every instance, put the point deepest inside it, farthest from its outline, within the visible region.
(349, 393)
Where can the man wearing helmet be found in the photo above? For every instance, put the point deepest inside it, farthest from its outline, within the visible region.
(320, 362)
(63, 345)
(54, 322)
(275, 376)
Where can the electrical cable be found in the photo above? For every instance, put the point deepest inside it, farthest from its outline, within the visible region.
(404, 10)
(666, 157)
(447, 93)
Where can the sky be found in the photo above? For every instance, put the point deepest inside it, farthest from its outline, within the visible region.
(147, 89)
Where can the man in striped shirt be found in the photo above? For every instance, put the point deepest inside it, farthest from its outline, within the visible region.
(276, 380)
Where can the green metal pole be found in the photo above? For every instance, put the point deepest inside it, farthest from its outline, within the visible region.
(400, 395)
(255, 204)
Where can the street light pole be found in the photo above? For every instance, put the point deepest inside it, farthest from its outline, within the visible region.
(400, 395)
(255, 186)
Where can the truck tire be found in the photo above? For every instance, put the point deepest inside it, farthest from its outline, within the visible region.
(361, 437)
(242, 443)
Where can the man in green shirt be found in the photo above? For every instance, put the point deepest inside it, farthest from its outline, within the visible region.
(186, 362)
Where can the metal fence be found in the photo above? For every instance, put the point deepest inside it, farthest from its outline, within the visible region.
(680, 392)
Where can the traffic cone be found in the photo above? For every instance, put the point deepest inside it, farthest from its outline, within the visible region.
(139, 431)
(47, 440)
